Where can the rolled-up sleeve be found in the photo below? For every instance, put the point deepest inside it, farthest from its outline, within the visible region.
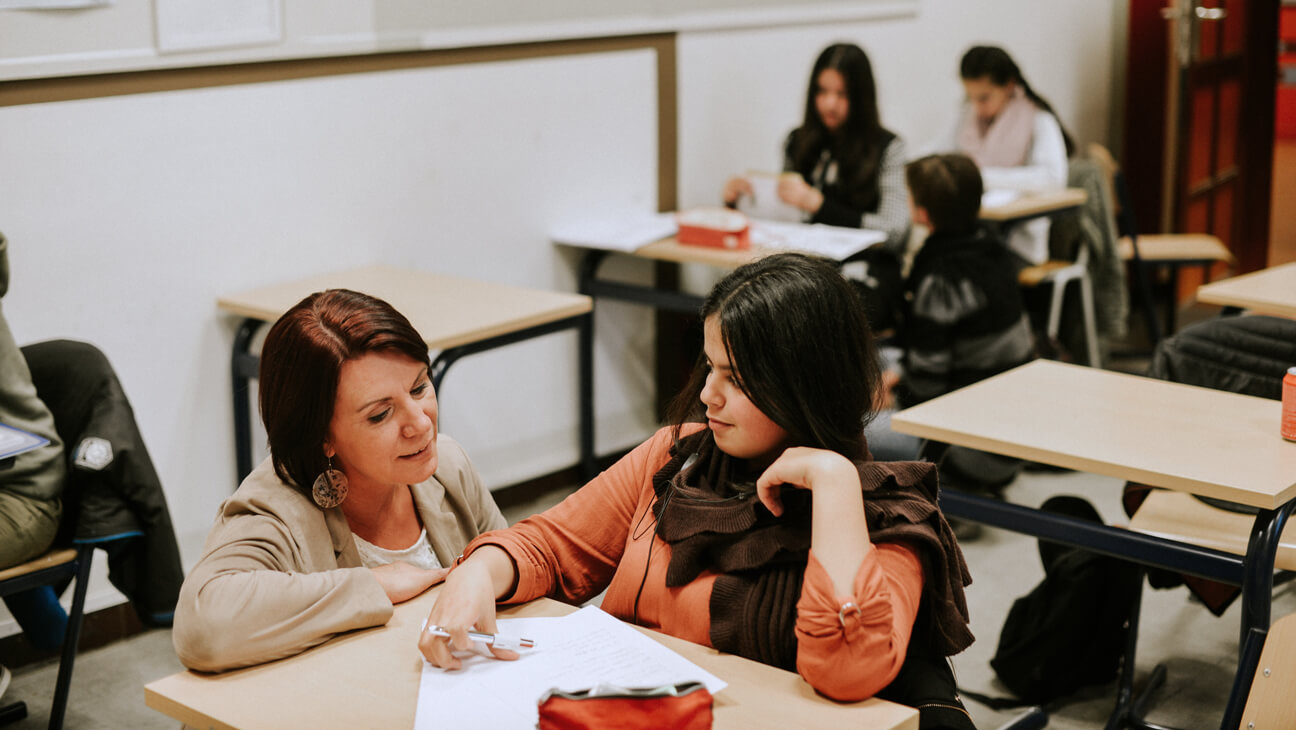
(847, 654)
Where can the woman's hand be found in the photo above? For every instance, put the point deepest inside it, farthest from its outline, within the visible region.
(794, 190)
(736, 187)
(467, 602)
(403, 581)
(838, 530)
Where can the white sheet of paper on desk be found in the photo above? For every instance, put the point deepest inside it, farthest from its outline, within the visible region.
(580, 650)
(764, 202)
(999, 196)
(832, 242)
(622, 232)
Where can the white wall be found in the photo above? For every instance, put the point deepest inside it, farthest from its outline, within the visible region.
(741, 92)
(128, 216)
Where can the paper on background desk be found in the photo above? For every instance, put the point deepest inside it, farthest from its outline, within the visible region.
(764, 202)
(833, 242)
(622, 232)
(575, 651)
(999, 196)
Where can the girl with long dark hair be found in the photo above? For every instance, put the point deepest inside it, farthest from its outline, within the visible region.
(1013, 135)
(846, 168)
(756, 523)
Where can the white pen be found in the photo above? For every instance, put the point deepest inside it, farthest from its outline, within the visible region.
(498, 641)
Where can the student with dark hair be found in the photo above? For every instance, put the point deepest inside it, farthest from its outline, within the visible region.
(1013, 135)
(964, 319)
(848, 168)
(843, 168)
(757, 523)
(361, 505)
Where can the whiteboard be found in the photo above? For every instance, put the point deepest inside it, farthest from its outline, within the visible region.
(124, 35)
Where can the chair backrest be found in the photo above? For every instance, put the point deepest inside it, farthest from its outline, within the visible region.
(1269, 703)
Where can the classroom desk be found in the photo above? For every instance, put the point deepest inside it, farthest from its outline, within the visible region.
(1034, 205)
(1196, 440)
(1268, 291)
(370, 678)
(456, 316)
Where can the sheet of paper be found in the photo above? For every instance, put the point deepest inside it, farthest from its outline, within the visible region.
(14, 441)
(999, 196)
(764, 202)
(832, 242)
(580, 650)
(620, 232)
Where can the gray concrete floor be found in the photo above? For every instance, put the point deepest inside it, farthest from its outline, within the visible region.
(1198, 649)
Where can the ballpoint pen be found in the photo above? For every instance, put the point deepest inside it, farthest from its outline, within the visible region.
(498, 641)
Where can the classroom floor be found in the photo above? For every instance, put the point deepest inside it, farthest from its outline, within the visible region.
(1199, 650)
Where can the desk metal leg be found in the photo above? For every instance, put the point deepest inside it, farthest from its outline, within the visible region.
(1257, 599)
(589, 266)
(243, 367)
(582, 323)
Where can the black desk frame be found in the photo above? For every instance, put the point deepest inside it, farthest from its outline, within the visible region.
(244, 365)
(1253, 572)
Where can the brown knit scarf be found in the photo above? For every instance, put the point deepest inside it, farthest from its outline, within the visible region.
(708, 512)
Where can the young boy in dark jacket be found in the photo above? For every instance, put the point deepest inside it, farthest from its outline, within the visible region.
(964, 319)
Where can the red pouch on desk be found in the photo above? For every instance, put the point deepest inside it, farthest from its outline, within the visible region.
(683, 706)
(714, 227)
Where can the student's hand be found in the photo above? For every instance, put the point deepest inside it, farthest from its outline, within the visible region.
(466, 602)
(794, 190)
(884, 399)
(403, 581)
(819, 470)
(838, 529)
(736, 187)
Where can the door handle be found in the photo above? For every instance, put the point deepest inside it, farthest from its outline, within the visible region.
(1210, 13)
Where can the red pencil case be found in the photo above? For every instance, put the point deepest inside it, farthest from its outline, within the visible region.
(686, 706)
(715, 227)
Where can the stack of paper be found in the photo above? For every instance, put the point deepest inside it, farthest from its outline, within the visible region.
(625, 232)
(832, 242)
(577, 651)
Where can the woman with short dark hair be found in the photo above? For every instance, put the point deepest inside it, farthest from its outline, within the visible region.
(361, 505)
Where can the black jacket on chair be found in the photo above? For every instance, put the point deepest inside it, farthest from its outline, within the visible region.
(112, 488)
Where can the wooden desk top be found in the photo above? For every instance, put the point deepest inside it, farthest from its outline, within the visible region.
(1268, 291)
(670, 249)
(371, 678)
(1035, 204)
(1181, 437)
(447, 311)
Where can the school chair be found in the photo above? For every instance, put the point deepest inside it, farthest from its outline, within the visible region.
(1082, 252)
(56, 367)
(54, 568)
(1059, 274)
(1150, 254)
(1269, 703)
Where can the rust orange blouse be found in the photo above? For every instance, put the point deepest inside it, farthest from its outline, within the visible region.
(603, 537)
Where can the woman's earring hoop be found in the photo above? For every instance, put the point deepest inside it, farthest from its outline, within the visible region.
(330, 487)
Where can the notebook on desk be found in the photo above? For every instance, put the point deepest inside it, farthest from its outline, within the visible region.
(833, 242)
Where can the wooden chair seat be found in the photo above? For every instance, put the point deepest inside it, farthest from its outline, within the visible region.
(1034, 275)
(1181, 247)
(1181, 516)
(48, 560)
(1269, 703)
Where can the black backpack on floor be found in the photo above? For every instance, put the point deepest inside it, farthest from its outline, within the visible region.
(1070, 631)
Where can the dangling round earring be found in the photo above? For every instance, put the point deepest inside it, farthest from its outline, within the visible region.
(330, 487)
